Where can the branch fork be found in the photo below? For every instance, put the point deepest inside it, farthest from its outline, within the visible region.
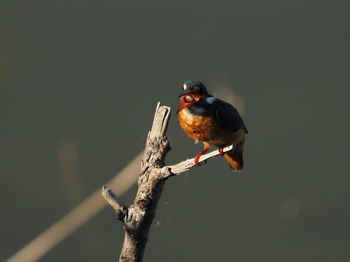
(138, 217)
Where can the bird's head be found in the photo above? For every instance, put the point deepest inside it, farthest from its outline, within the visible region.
(193, 91)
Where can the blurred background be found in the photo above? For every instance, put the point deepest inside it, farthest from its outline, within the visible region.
(79, 82)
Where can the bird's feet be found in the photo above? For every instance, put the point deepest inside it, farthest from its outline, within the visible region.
(221, 151)
(196, 159)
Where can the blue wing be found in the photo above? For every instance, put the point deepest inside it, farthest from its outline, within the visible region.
(228, 117)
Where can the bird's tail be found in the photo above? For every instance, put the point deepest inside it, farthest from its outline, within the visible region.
(235, 157)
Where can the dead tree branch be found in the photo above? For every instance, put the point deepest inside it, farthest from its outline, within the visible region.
(138, 217)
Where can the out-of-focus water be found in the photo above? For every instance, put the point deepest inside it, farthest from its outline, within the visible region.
(78, 86)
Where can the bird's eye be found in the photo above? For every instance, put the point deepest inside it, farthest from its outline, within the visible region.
(188, 99)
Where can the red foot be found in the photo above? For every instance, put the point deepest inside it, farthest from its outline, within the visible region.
(196, 159)
(221, 151)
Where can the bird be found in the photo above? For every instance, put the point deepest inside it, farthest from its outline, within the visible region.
(213, 122)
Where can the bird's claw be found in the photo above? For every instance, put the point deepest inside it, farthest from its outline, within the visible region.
(196, 160)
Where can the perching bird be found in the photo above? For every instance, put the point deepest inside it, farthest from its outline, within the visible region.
(212, 121)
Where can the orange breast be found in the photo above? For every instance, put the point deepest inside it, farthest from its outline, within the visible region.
(196, 126)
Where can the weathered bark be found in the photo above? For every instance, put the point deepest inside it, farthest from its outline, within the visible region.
(137, 218)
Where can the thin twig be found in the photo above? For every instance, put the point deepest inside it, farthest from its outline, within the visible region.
(186, 165)
(114, 202)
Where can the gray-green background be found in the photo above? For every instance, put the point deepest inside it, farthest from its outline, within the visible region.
(87, 74)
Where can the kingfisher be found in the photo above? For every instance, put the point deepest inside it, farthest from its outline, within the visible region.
(213, 122)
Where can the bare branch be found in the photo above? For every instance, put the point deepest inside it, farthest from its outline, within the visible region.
(138, 217)
(114, 202)
(186, 165)
(160, 121)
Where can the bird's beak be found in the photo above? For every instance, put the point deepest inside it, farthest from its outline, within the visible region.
(185, 92)
(182, 106)
(185, 104)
